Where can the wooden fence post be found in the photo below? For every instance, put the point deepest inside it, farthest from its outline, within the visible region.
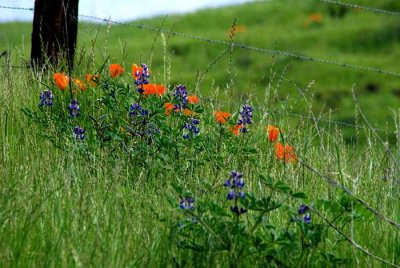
(54, 33)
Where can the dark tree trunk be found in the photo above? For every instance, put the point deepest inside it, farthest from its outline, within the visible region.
(55, 27)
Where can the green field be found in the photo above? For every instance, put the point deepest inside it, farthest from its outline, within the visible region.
(112, 200)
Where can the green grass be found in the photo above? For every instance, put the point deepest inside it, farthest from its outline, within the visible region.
(61, 208)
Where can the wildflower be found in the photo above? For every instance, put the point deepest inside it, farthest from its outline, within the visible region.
(92, 79)
(186, 203)
(235, 129)
(273, 133)
(168, 108)
(46, 98)
(188, 112)
(307, 218)
(79, 133)
(192, 99)
(246, 114)
(191, 128)
(285, 152)
(221, 117)
(303, 209)
(181, 97)
(82, 86)
(315, 17)
(74, 108)
(61, 80)
(236, 184)
(116, 70)
(138, 114)
(153, 89)
(140, 74)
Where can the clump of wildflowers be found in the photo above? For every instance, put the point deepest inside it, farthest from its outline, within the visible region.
(79, 133)
(191, 128)
(236, 184)
(245, 118)
(141, 75)
(74, 108)
(46, 98)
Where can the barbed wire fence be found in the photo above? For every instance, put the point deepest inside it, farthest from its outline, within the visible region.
(259, 50)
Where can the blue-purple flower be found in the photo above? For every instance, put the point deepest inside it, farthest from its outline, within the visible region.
(181, 96)
(236, 184)
(304, 215)
(74, 108)
(245, 117)
(138, 114)
(46, 98)
(79, 133)
(191, 128)
(186, 203)
(141, 75)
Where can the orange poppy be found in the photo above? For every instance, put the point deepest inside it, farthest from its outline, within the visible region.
(285, 152)
(192, 99)
(116, 70)
(168, 108)
(61, 80)
(273, 133)
(149, 89)
(92, 79)
(221, 117)
(81, 85)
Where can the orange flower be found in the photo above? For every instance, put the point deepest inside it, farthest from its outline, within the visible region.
(235, 129)
(92, 79)
(168, 108)
(290, 155)
(273, 133)
(155, 89)
(192, 99)
(61, 80)
(285, 152)
(188, 112)
(315, 17)
(221, 117)
(81, 85)
(136, 70)
(116, 70)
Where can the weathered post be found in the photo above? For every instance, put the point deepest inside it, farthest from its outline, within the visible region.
(55, 28)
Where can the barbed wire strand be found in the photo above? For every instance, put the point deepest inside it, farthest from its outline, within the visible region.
(308, 117)
(17, 8)
(355, 6)
(237, 45)
(248, 47)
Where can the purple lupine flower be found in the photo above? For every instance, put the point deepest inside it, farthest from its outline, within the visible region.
(191, 128)
(245, 118)
(181, 96)
(303, 209)
(141, 76)
(74, 108)
(46, 98)
(186, 203)
(236, 184)
(307, 218)
(79, 133)
(138, 114)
